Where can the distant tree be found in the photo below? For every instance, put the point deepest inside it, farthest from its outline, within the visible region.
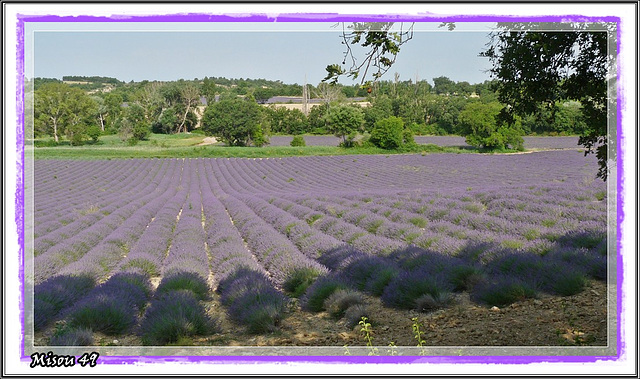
(113, 103)
(329, 93)
(80, 110)
(343, 121)
(235, 121)
(317, 121)
(381, 107)
(102, 110)
(262, 94)
(480, 125)
(208, 89)
(167, 122)
(134, 126)
(535, 68)
(189, 99)
(443, 85)
(50, 108)
(152, 98)
(388, 133)
(60, 109)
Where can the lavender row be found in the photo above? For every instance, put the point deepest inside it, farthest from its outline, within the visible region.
(72, 249)
(109, 253)
(227, 249)
(96, 212)
(80, 203)
(187, 251)
(356, 237)
(276, 253)
(244, 285)
(311, 242)
(447, 229)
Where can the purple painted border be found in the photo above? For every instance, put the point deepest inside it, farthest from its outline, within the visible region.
(19, 211)
(326, 17)
(621, 346)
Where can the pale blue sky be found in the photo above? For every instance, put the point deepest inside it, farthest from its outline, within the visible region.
(286, 52)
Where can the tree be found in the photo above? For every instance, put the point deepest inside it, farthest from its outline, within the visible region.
(60, 109)
(262, 95)
(329, 93)
(388, 133)
(189, 97)
(535, 68)
(480, 125)
(79, 114)
(444, 85)
(208, 90)
(344, 121)
(236, 121)
(49, 108)
(134, 126)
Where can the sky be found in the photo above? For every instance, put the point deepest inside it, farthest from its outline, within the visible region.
(289, 53)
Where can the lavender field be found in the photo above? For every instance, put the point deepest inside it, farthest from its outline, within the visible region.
(135, 246)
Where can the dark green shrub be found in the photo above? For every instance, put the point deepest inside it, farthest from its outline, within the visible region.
(94, 132)
(388, 133)
(298, 141)
(404, 290)
(464, 278)
(57, 293)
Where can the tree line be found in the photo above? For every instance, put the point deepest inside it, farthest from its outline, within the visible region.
(231, 110)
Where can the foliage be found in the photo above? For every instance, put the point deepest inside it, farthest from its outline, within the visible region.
(298, 141)
(418, 334)
(388, 133)
(383, 44)
(234, 121)
(61, 109)
(480, 125)
(536, 68)
(252, 300)
(344, 121)
(405, 289)
(367, 334)
(133, 126)
(354, 314)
